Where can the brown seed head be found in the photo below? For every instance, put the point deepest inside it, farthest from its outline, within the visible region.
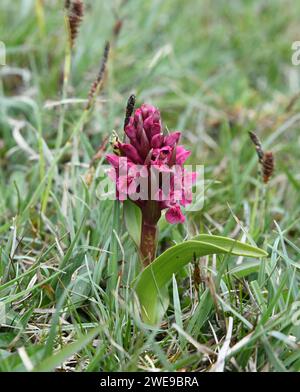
(129, 109)
(117, 27)
(75, 10)
(266, 159)
(268, 166)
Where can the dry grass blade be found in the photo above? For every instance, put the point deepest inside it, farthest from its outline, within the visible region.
(220, 364)
(200, 347)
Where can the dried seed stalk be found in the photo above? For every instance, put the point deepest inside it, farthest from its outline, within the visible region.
(98, 82)
(129, 109)
(75, 11)
(266, 159)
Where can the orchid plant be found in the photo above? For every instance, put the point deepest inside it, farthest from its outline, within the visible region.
(140, 164)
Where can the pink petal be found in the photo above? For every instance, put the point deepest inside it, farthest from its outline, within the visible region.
(132, 188)
(189, 178)
(152, 127)
(161, 155)
(147, 110)
(161, 168)
(157, 141)
(174, 215)
(138, 171)
(138, 118)
(112, 174)
(194, 177)
(113, 160)
(182, 155)
(155, 129)
(172, 139)
(144, 143)
(144, 171)
(187, 198)
(130, 129)
(131, 152)
(122, 184)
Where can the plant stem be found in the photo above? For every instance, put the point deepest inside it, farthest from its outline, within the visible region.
(148, 242)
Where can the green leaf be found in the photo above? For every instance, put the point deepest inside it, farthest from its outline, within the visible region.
(246, 268)
(112, 266)
(73, 264)
(150, 285)
(133, 221)
(52, 361)
(6, 338)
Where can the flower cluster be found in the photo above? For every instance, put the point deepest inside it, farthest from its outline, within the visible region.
(144, 160)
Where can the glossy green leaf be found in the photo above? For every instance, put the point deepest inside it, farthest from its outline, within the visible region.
(151, 284)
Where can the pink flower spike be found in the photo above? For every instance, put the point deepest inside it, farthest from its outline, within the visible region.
(174, 215)
(148, 169)
(181, 155)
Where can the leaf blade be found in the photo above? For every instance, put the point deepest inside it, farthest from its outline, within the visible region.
(153, 279)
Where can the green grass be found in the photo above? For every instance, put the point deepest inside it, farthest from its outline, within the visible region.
(216, 70)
